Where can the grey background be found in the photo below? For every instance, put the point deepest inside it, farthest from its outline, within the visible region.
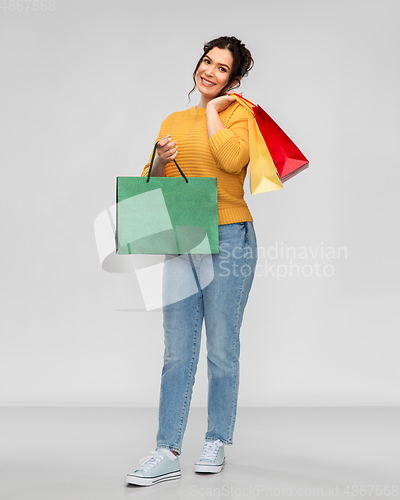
(84, 89)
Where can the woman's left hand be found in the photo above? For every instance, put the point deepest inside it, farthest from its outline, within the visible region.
(221, 103)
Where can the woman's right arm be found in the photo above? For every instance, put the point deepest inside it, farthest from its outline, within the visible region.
(167, 151)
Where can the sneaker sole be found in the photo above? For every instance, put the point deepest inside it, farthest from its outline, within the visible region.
(148, 481)
(208, 468)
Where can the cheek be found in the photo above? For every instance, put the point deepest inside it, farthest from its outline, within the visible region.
(202, 67)
(223, 79)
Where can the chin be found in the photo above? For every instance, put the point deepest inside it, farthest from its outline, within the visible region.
(209, 94)
(207, 91)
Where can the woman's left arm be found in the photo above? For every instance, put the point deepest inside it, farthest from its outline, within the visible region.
(214, 122)
(229, 145)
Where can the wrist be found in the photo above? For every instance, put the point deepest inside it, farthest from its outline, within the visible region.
(159, 161)
(210, 108)
(158, 169)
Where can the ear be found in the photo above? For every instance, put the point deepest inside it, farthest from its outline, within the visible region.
(235, 82)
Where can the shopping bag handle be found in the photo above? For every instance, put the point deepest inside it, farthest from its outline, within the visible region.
(244, 102)
(152, 161)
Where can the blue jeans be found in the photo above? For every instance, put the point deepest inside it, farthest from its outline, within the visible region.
(215, 287)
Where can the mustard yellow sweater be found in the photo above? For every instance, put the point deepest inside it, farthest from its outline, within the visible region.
(225, 155)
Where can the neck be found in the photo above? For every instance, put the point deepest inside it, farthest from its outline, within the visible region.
(204, 101)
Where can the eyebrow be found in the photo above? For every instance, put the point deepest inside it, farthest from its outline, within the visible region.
(219, 64)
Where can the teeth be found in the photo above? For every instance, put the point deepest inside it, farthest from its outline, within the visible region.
(206, 82)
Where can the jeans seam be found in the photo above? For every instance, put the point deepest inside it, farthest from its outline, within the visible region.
(231, 424)
(191, 371)
(234, 405)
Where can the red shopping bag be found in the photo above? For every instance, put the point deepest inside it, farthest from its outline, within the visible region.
(288, 158)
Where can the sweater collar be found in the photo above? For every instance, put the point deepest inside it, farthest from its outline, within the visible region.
(195, 111)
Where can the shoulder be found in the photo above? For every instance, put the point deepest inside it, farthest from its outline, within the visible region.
(177, 116)
(173, 120)
(236, 112)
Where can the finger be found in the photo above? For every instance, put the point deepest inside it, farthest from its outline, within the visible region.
(166, 145)
(171, 152)
(168, 154)
(172, 157)
(169, 157)
(165, 140)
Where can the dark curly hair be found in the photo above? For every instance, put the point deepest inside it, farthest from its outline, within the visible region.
(242, 60)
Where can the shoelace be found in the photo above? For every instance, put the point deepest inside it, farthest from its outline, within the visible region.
(210, 449)
(150, 461)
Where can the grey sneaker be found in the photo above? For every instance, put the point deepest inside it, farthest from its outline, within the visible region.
(154, 469)
(212, 458)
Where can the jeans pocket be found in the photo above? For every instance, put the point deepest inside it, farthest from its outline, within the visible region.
(245, 227)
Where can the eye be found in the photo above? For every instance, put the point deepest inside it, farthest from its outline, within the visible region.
(206, 61)
(223, 69)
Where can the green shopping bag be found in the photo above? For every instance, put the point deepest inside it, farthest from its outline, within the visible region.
(167, 215)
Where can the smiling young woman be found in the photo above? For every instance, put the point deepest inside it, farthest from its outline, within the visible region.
(213, 141)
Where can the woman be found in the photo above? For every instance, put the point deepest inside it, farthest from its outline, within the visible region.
(212, 140)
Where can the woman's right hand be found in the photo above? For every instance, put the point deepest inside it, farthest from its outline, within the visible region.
(167, 150)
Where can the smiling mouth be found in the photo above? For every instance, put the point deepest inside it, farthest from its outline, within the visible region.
(207, 83)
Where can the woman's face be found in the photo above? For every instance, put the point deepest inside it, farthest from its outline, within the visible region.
(213, 72)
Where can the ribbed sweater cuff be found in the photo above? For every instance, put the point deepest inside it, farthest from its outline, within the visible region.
(233, 215)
